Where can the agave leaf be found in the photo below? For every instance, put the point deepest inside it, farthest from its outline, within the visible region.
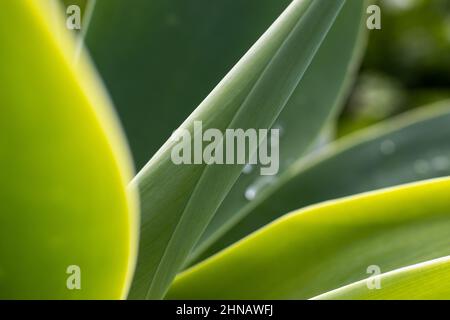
(409, 148)
(328, 246)
(179, 201)
(64, 168)
(429, 280)
(302, 120)
(310, 111)
(160, 58)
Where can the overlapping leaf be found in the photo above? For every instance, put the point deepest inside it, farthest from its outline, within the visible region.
(311, 107)
(301, 121)
(328, 246)
(64, 168)
(412, 147)
(160, 58)
(179, 201)
(424, 281)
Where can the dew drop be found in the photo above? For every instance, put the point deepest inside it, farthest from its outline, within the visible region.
(387, 147)
(421, 167)
(253, 190)
(248, 168)
(440, 163)
(250, 193)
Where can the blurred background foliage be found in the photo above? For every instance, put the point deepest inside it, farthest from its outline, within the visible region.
(407, 63)
(160, 68)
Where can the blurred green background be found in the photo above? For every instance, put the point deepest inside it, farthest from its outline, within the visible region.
(407, 63)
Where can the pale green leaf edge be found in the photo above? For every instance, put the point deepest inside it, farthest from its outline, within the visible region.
(426, 280)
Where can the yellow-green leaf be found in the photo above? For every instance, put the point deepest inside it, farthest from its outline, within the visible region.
(310, 109)
(411, 147)
(328, 246)
(179, 201)
(429, 280)
(67, 222)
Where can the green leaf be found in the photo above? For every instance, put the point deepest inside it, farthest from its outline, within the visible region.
(425, 281)
(63, 197)
(409, 148)
(160, 58)
(314, 105)
(179, 201)
(327, 246)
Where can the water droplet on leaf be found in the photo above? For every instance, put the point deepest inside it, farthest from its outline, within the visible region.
(248, 168)
(253, 190)
(440, 163)
(421, 167)
(250, 193)
(387, 147)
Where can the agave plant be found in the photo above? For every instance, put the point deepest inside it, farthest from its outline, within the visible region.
(338, 212)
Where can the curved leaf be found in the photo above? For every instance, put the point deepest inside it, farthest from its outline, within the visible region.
(63, 198)
(412, 147)
(160, 58)
(311, 107)
(179, 201)
(327, 246)
(425, 281)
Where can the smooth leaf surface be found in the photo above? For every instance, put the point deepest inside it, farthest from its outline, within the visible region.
(179, 201)
(64, 168)
(161, 58)
(425, 281)
(308, 111)
(412, 147)
(313, 106)
(328, 246)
